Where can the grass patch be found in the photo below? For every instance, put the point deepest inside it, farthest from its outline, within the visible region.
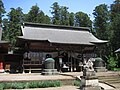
(116, 69)
(76, 82)
(34, 84)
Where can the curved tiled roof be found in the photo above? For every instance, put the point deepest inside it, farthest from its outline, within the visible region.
(60, 34)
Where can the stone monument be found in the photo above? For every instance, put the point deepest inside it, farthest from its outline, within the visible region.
(99, 65)
(89, 80)
(49, 67)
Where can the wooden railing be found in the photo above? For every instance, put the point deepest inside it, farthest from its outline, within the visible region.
(30, 65)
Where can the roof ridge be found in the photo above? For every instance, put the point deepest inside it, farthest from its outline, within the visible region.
(55, 26)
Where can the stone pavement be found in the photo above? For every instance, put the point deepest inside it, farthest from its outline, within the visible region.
(53, 88)
(38, 76)
(31, 77)
(106, 87)
(64, 76)
(113, 80)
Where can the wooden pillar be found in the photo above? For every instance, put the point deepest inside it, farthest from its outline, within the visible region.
(71, 61)
(26, 50)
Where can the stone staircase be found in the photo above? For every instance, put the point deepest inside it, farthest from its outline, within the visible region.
(112, 80)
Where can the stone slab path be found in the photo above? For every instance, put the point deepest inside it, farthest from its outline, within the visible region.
(111, 78)
(53, 88)
(106, 87)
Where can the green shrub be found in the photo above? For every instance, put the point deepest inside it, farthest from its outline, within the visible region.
(45, 84)
(1, 86)
(17, 85)
(34, 84)
(116, 69)
(27, 85)
(7, 85)
(56, 83)
(112, 62)
(76, 82)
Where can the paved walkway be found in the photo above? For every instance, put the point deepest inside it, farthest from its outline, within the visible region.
(53, 88)
(31, 77)
(106, 87)
(37, 76)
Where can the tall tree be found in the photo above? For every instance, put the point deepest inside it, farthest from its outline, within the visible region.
(115, 25)
(64, 15)
(101, 27)
(71, 19)
(101, 15)
(56, 13)
(32, 14)
(42, 18)
(35, 15)
(47, 19)
(12, 25)
(82, 20)
(2, 10)
(5, 29)
(115, 9)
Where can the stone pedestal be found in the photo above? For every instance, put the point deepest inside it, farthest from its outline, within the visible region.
(49, 67)
(89, 83)
(89, 80)
(100, 65)
(100, 69)
(50, 72)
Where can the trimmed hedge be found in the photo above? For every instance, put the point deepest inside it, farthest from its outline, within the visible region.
(34, 84)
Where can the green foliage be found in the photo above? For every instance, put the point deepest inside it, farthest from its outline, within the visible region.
(1, 86)
(36, 15)
(2, 10)
(71, 19)
(76, 82)
(101, 23)
(64, 15)
(7, 85)
(61, 16)
(34, 84)
(82, 20)
(115, 37)
(116, 69)
(32, 14)
(112, 62)
(11, 26)
(56, 13)
(102, 28)
(17, 85)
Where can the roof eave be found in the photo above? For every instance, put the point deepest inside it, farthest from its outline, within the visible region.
(99, 42)
(117, 51)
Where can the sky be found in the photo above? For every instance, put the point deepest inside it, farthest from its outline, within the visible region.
(86, 6)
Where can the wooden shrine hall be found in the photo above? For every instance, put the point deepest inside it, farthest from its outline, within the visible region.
(72, 44)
